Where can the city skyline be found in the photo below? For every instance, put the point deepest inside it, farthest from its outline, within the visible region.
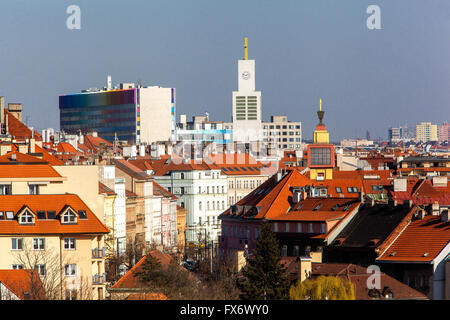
(369, 80)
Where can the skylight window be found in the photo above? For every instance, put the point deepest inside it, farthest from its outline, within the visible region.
(9, 215)
(335, 207)
(346, 207)
(251, 169)
(82, 214)
(51, 214)
(244, 169)
(41, 214)
(318, 207)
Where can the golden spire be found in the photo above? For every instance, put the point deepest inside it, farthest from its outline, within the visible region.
(246, 48)
(320, 113)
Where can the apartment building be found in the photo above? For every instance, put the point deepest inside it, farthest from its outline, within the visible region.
(426, 131)
(281, 134)
(243, 174)
(200, 187)
(59, 236)
(151, 213)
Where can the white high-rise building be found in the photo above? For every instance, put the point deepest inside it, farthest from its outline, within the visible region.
(246, 104)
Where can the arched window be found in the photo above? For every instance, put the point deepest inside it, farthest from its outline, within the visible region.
(200, 205)
(182, 175)
(207, 205)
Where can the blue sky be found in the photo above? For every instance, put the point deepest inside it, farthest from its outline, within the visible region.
(304, 50)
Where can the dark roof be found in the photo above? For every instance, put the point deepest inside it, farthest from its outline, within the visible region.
(372, 225)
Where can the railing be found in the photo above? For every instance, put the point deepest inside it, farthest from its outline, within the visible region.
(99, 279)
(98, 253)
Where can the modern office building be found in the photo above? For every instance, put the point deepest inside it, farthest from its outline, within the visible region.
(426, 131)
(246, 103)
(136, 114)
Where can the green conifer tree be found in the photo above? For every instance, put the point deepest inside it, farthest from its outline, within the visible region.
(264, 278)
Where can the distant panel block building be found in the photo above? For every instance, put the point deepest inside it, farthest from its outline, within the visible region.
(136, 114)
(426, 131)
(444, 132)
(282, 134)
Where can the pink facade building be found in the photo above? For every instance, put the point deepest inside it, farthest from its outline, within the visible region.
(444, 132)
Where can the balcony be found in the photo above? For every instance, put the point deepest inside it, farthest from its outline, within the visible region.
(99, 279)
(98, 253)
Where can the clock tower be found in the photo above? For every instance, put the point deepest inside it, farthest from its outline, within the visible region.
(246, 103)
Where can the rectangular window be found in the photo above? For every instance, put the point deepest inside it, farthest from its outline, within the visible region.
(69, 244)
(39, 244)
(323, 228)
(310, 228)
(40, 269)
(275, 227)
(70, 270)
(33, 189)
(299, 227)
(17, 243)
(5, 189)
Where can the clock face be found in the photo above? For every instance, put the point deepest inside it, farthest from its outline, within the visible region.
(245, 75)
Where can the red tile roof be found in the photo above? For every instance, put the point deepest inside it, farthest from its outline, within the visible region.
(421, 241)
(48, 157)
(104, 189)
(129, 168)
(147, 296)
(129, 280)
(28, 171)
(358, 276)
(17, 157)
(25, 284)
(160, 191)
(19, 130)
(48, 202)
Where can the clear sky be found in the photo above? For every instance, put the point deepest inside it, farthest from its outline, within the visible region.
(304, 50)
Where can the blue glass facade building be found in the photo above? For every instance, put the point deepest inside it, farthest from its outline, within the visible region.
(107, 112)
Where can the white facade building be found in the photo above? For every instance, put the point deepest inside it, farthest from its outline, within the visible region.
(203, 192)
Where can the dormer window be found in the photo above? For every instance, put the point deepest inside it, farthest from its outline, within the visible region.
(69, 217)
(26, 217)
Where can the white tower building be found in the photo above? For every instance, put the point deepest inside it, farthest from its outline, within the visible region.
(246, 104)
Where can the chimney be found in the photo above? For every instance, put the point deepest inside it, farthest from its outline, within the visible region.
(304, 268)
(16, 110)
(435, 208)
(400, 184)
(32, 146)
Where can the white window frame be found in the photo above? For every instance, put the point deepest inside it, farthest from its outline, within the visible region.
(24, 217)
(38, 243)
(14, 241)
(70, 270)
(66, 216)
(70, 244)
